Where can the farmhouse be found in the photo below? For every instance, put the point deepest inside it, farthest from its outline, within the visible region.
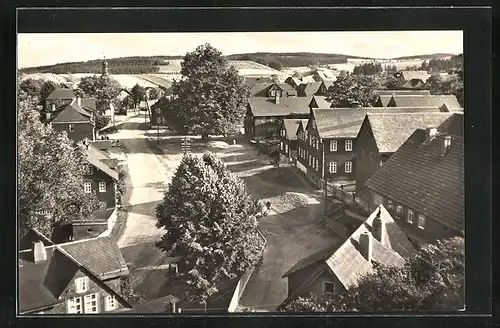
(384, 96)
(288, 136)
(338, 268)
(450, 101)
(270, 90)
(293, 81)
(381, 135)
(71, 117)
(422, 184)
(80, 277)
(310, 89)
(414, 75)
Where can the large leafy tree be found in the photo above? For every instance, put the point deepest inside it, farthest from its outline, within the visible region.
(46, 89)
(211, 96)
(210, 221)
(50, 174)
(350, 87)
(453, 85)
(138, 93)
(431, 280)
(32, 87)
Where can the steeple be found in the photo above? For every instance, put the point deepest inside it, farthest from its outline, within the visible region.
(105, 71)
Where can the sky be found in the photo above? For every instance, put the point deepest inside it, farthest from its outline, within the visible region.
(36, 49)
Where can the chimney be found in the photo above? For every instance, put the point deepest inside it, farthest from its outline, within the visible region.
(79, 101)
(170, 303)
(365, 244)
(430, 133)
(277, 98)
(378, 228)
(39, 252)
(53, 107)
(445, 145)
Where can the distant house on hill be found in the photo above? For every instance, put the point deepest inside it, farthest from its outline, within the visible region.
(294, 82)
(414, 75)
(338, 268)
(422, 184)
(81, 277)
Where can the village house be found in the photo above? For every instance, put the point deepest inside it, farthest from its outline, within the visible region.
(271, 90)
(423, 76)
(422, 184)
(450, 101)
(288, 137)
(338, 268)
(324, 75)
(384, 96)
(381, 135)
(71, 117)
(326, 145)
(81, 277)
(310, 89)
(293, 81)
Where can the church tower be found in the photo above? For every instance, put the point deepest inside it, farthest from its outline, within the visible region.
(105, 71)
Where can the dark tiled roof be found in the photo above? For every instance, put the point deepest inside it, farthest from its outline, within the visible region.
(402, 92)
(88, 104)
(260, 89)
(295, 80)
(425, 101)
(291, 126)
(308, 89)
(346, 122)
(71, 113)
(384, 99)
(391, 130)
(267, 107)
(287, 88)
(92, 159)
(321, 101)
(40, 284)
(61, 94)
(316, 257)
(410, 75)
(419, 177)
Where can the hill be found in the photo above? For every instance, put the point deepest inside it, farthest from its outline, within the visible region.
(426, 57)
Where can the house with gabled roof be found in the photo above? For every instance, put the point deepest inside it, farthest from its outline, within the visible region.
(422, 184)
(288, 136)
(309, 89)
(81, 277)
(384, 96)
(381, 135)
(319, 102)
(327, 145)
(414, 75)
(293, 81)
(76, 120)
(450, 101)
(271, 90)
(338, 268)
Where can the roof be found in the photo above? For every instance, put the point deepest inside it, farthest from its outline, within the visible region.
(346, 261)
(291, 126)
(427, 100)
(419, 177)
(308, 89)
(410, 75)
(253, 80)
(260, 89)
(101, 144)
(287, 87)
(321, 101)
(326, 75)
(402, 92)
(71, 113)
(391, 130)
(93, 159)
(88, 103)
(41, 284)
(384, 99)
(295, 80)
(61, 94)
(346, 122)
(261, 106)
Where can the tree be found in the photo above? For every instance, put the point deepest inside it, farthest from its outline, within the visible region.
(128, 290)
(306, 304)
(47, 88)
(211, 97)
(277, 65)
(350, 87)
(100, 87)
(153, 94)
(393, 83)
(453, 85)
(138, 93)
(210, 222)
(32, 87)
(50, 174)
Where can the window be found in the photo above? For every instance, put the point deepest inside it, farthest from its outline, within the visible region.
(81, 284)
(281, 145)
(110, 303)
(410, 216)
(102, 186)
(87, 187)
(333, 145)
(377, 199)
(313, 162)
(317, 164)
(89, 169)
(348, 145)
(71, 127)
(399, 210)
(283, 133)
(286, 148)
(273, 93)
(328, 287)
(74, 305)
(389, 204)
(313, 140)
(91, 303)
(348, 167)
(421, 221)
(380, 163)
(333, 167)
(310, 160)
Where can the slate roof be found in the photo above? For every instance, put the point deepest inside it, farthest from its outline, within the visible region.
(321, 101)
(346, 122)
(432, 100)
(61, 94)
(287, 88)
(88, 104)
(402, 92)
(308, 89)
(349, 265)
(384, 99)
(41, 284)
(291, 126)
(391, 130)
(419, 177)
(261, 106)
(260, 89)
(71, 113)
(92, 158)
(410, 75)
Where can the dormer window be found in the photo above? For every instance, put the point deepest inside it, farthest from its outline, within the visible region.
(81, 285)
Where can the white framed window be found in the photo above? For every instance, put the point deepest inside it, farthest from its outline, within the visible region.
(87, 187)
(410, 216)
(102, 186)
(377, 199)
(313, 141)
(310, 160)
(348, 167)
(399, 211)
(380, 163)
(71, 127)
(281, 145)
(421, 221)
(89, 170)
(81, 284)
(110, 303)
(333, 167)
(333, 145)
(286, 148)
(328, 287)
(348, 145)
(91, 303)
(273, 93)
(74, 305)
(317, 164)
(313, 162)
